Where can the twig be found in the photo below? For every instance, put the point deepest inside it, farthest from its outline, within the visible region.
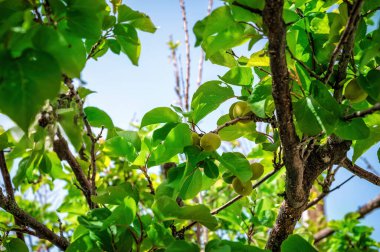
(324, 194)
(233, 200)
(60, 146)
(363, 113)
(40, 229)
(363, 211)
(9, 188)
(150, 183)
(253, 10)
(252, 117)
(187, 44)
(201, 59)
(173, 58)
(360, 172)
(310, 71)
(350, 27)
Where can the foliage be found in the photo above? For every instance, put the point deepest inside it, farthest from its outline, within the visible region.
(115, 198)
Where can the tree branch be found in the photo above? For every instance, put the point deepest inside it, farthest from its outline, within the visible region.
(253, 10)
(348, 34)
(61, 147)
(363, 211)
(310, 71)
(233, 200)
(9, 188)
(43, 232)
(360, 172)
(324, 194)
(187, 44)
(252, 118)
(272, 16)
(363, 113)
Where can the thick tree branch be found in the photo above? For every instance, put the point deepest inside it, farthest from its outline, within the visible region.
(9, 188)
(272, 16)
(43, 232)
(61, 147)
(360, 172)
(363, 211)
(363, 113)
(347, 36)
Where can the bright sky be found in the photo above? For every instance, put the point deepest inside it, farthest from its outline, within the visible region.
(124, 90)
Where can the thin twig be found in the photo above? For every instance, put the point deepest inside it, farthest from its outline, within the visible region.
(363, 113)
(252, 118)
(324, 194)
(201, 59)
(173, 58)
(9, 188)
(187, 44)
(310, 71)
(150, 183)
(363, 211)
(233, 200)
(350, 27)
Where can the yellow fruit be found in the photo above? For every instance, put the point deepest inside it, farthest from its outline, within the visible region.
(196, 138)
(210, 141)
(257, 170)
(241, 188)
(231, 111)
(241, 109)
(354, 92)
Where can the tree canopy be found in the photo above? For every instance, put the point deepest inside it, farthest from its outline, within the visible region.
(306, 97)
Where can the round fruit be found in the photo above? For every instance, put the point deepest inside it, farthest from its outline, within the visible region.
(231, 111)
(210, 141)
(257, 170)
(196, 138)
(241, 109)
(354, 92)
(241, 188)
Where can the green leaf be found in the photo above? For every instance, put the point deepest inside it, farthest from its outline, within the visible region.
(24, 88)
(180, 246)
(231, 132)
(84, 244)
(241, 76)
(259, 58)
(371, 84)
(137, 19)
(312, 118)
(352, 130)
(258, 100)
(200, 213)
(192, 185)
(69, 51)
(120, 146)
(159, 115)
(174, 143)
(211, 169)
(230, 246)
(236, 163)
(68, 119)
(15, 245)
(208, 97)
(295, 243)
(132, 137)
(123, 215)
(85, 18)
(115, 195)
(98, 118)
(126, 36)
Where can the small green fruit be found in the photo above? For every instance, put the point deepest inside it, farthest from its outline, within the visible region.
(257, 170)
(210, 141)
(241, 109)
(241, 188)
(354, 92)
(231, 111)
(196, 138)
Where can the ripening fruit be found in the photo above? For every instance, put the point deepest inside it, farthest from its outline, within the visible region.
(354, 92)
(210, 141)
(241, 109)
(231, 111)
(257, 170)
(196, 138)
(241, 188)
